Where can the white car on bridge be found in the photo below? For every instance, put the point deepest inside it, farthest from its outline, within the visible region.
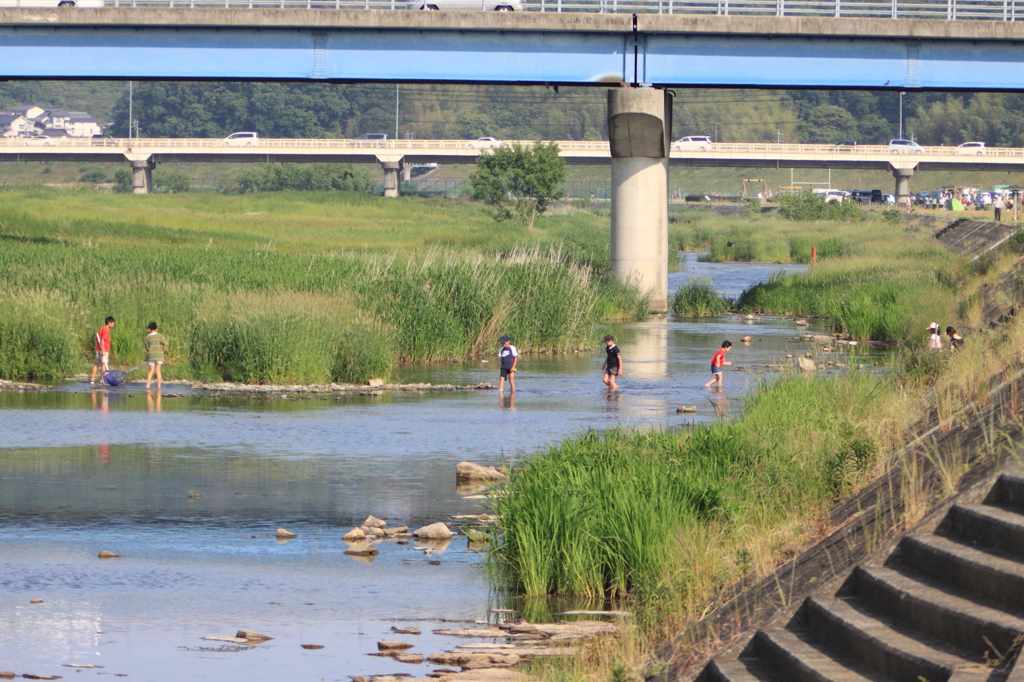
(905, 147)
(971, 149)
(42, 4)
(484, 143)
(242, 139)
(699, 143)
(469, 5)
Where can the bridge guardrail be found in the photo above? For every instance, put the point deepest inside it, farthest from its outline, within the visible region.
(469, 147)
(950, 10)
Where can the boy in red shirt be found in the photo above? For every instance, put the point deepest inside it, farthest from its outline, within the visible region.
(102, 349)
(717, 360)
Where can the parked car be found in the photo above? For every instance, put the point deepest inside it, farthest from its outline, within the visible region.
(104, 141)
(43, 4)
(845, 145)
(468, 5)
(971, 149)
(699, 143)
(484, 143)
(243, 139)
(381, 137)
(905, 147)
(831, 196)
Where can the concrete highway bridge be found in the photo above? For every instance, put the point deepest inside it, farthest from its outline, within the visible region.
(636, 49)
(397, 156)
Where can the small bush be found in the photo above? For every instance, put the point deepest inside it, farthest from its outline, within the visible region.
(95, 176)
(123, 181)
(698, 298)
(175, 182)
(810, 206)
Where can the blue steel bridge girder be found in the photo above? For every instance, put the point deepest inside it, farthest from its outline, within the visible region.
(524, 48)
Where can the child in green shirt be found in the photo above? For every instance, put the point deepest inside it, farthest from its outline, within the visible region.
(156, 344)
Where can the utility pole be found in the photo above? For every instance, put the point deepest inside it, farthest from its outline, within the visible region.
(397, 86)
(129, 110)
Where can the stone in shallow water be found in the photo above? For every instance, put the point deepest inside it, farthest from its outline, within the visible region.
(108, 555)
(393, 645)
(282, 533)
(434, 531)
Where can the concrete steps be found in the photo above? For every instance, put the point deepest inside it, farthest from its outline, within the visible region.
(946, 606)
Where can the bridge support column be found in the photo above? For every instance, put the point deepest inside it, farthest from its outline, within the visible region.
(903, 176)
(406, 172)
(391, 169)
(142, 176)
(640, 132)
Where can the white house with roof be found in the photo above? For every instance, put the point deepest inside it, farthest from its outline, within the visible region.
(16, 125)
(30, 111)
(73, 123)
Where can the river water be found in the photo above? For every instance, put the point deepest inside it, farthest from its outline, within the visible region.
(189, 491)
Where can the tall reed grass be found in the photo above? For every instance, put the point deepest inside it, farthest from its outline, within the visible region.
(606, 514)
(698, 298)
(434, 303)
(37, 340)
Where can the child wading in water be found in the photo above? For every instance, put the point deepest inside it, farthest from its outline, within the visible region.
(612, 366)
(156, 344)
(717, 360)
(509, 355)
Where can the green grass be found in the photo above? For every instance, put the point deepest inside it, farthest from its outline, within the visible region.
(698, 298)
(298, 286)
(606, 514)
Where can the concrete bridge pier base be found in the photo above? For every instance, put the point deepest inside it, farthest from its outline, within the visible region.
(391, 169)
(142, 176)
(406, 172)
(903, 176)
(640, 132)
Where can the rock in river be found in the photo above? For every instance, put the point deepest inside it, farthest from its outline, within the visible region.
(468, 472)
(354, 535)
(108, 555)
(393, 646)
(435, 531)
(282, 533)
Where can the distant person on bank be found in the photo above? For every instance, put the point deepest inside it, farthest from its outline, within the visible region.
(102, 361)
(717, 361)
(997, 205)
(956, 342)
(612, 365)
(156, 346)
(509, 355)
(934, 337)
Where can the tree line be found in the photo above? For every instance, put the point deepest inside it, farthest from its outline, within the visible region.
(423, 111)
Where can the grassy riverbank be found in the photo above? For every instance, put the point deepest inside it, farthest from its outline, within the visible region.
(666, 520)
(874, 279)
(291, 287)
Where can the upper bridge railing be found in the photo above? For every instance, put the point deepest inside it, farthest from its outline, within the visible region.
(949, 10)
(469, 148)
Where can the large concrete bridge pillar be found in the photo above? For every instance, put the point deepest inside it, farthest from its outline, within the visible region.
(640, 132)
(391, 169)
(142, 176)
(902, 176)
(406, 172)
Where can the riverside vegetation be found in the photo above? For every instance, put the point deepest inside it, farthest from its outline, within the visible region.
(349, 285)
(872, 280)
(662, 521)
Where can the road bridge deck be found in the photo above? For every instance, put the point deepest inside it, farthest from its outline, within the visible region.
(722, 154)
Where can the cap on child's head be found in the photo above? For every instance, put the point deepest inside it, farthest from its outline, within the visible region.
(506, 338)
(933, 325)
(609, 337)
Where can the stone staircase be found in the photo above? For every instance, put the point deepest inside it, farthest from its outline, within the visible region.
(945, 605)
